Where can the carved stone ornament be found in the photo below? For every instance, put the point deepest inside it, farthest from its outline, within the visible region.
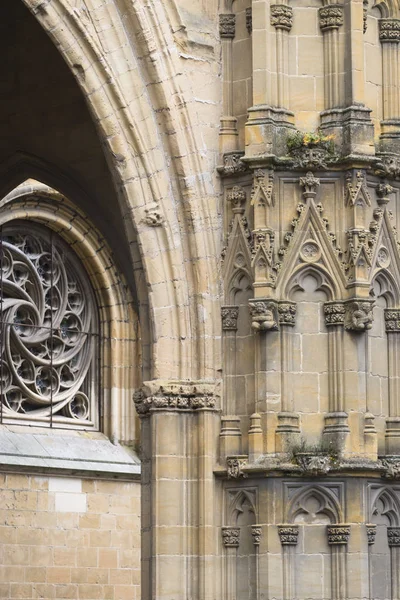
(249, 20)
(227, 23)
(231, 537)
(310, 185)
(313, 464)
(338, 534)
(153, 216)
(365, 15)
(312, 157)
(235, 465)
(264, 314)
(232, 164)
(383, 191)
(288, 534)
(282, 16)
(263, 188)
(388, 165)
(356, 188)
(359, 315)
(392, 320)
(334, 313)
(383, 258)
(393, 534)
(371, 533)
(331, 17)
(237, 197)
(392, 468)
(256, 534)
(229, 316)
(310, 251)
(175, 395)
(287, 313)
(389, 30)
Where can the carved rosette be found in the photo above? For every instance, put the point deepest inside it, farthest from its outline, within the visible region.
(282, 16)
(256, 534)
(392, 320)
(249, 20)
(177, 395)
(288, 534)
(389, 30)
(334, 313)
(229, 316)
(235, 466)
(338, 534)
(227, 25)
(359, 315)
(331, 17)
(231, 537)
(237, 197)
(371, 533)
(264, 314)
(287, 313)
(393, 534)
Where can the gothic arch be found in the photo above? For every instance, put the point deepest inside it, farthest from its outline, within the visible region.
(235, 508)
(40, 203)
(323, 500)
(388, 8)
(386, 505)
(139, 174)
(388, 287)
(323, 280)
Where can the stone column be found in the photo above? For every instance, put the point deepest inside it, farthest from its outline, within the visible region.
(282, 20)
(288, 535)
(371, 535)
(179, 426)
(229, 318)
(393, 534)
(228, 129)
(392, 325)
(389, 35)
(338, 537)
(330, 20)
(230, 539)
(256, 533)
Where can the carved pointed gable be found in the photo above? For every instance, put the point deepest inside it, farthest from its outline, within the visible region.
(237, 252)
(386, 254)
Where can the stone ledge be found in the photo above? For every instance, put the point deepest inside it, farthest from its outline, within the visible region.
(66, 453)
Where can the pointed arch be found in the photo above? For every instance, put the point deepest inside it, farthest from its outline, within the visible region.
(323, 500)
(386, 505)
(388, 287)
(236, 504)
(388, 8)
(324, 281)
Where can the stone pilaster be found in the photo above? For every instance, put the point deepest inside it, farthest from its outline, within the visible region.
(228, 123)
(389, 35)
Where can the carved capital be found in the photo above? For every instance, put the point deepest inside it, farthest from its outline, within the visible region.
(359, 315)
(249, 20)
(175, 395)
(264, 314)
(227, 25)
(256, 533)
(229, 316)
(288, 534)
(392, 320)
(235, 465)
(231, 537)
(389, 30)
(383, 191)
(310, 185)
(338, 534)
(392, 468)
(330, 17)
(287, 313)
(334, 313)
(371, 533)
(393, 534)
(282, 16)
(237, 197)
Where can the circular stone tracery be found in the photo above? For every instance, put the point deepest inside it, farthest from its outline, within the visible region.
(46, 326)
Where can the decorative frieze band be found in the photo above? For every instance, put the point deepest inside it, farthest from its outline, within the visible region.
(282, 16)
(392, 320)
(389, 30)
(227, 25)
(393, 534)
(267, 315)
(231, 537)
(175, 395)
(330, 17)
(338, 534)
(355, 315)
(371, 533)
(256, 533)
(288, 534)
(229, 316)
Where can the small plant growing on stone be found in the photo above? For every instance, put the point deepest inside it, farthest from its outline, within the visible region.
(310, 139)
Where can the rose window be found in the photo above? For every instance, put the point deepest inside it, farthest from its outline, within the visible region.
(48, 340)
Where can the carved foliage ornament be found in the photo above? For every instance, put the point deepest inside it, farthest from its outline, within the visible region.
(249, 20)
(338, 534)
(46, 322)
(331, 17)
(174, 396)
(365, 15)
(392, 319)
(334, 313)
(389, 30)
(237, 197)
(235, 465)
(282, 16)
(256, 533)
(310, 185)
(393, 534)
(229, 316)
(371, 533)
(230, 537)
(288, 534)
(227, 23)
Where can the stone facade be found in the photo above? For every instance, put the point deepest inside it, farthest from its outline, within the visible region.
(225, 178)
